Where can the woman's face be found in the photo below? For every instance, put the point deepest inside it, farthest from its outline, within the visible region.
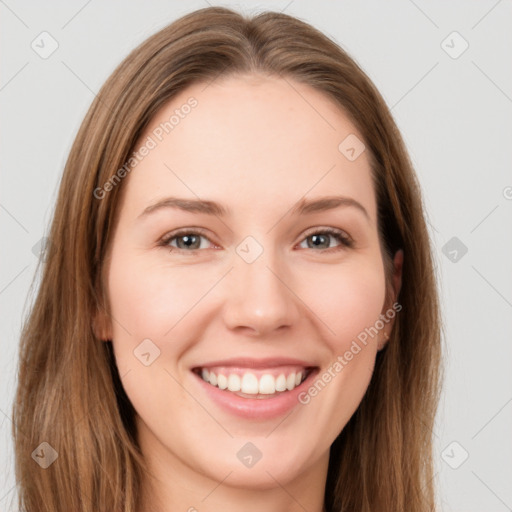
(221, 260)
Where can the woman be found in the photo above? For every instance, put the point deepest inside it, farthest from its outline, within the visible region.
(238, 308)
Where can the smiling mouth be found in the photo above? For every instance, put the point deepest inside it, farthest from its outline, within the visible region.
(252, 383)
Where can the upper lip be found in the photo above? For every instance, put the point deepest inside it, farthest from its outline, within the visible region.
(247, 362)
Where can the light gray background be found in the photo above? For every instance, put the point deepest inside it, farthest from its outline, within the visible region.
(454, 113)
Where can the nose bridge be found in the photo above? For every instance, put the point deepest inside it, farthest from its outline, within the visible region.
(257, 298)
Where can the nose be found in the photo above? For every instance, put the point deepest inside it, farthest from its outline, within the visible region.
(259, 298)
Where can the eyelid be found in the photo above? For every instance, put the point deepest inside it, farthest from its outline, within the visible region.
(328, 230)
(345, 239)
(171, 235)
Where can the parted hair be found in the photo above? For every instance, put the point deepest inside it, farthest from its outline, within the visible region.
(69, 393)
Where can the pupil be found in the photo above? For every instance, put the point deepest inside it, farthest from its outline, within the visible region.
(317, 238)
(189, 240)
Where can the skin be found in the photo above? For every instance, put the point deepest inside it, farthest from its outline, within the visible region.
(256, 145)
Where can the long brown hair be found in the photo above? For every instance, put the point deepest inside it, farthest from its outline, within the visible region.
(69, 393)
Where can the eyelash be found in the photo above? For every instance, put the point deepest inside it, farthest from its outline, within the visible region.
(344, 240)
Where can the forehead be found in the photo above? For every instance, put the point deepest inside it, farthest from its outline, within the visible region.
(272, 139)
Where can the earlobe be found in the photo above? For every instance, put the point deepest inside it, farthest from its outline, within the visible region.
(382, 342)
(101, 326)
(398, 261)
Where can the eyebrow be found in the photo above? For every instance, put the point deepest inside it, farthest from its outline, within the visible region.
(302, 207)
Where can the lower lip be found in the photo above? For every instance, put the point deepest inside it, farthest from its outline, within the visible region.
(255, 408)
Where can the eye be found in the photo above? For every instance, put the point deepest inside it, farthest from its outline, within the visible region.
(192, 240)
(322, 239)
(187, 241)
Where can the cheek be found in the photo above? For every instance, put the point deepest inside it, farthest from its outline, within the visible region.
(148, 299)
(347, 303)
(346, 300)
(151, 301)
(172, 306)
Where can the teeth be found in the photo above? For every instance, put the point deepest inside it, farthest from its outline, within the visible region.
(233, 382)
(267, 385)
(290, 381)
(281, 383)
(249, 383)
(222, 381)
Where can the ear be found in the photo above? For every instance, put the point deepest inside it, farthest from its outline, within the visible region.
(398, 262)
(101, 324)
